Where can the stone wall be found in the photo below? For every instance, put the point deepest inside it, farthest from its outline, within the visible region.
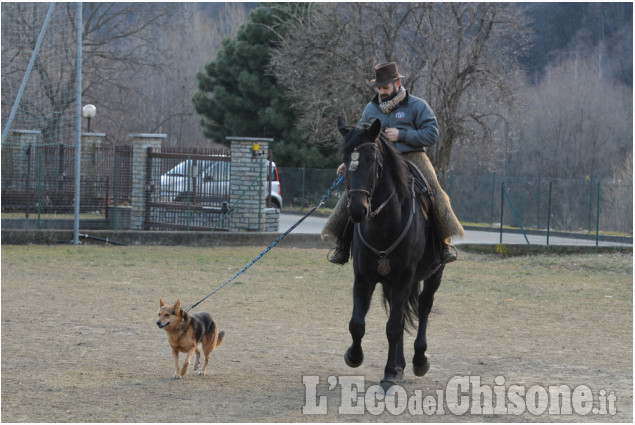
(16, 165)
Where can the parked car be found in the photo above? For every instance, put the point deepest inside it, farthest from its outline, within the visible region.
(209, 182)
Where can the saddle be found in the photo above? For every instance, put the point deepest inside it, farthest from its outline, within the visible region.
(422, 190)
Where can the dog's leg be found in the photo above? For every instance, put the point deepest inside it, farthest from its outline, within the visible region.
(202, 371)
(197, 363)
(175, 354)
(208, 343)
(188, 359)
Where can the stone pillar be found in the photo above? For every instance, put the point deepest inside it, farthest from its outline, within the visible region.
(140, 145)
(247, 185)
(92, 144)
(91, 155)
(15, 165)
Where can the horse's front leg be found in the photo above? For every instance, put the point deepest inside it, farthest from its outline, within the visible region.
(394, 333)
(400, 359)
(362, 294)
(420, 362)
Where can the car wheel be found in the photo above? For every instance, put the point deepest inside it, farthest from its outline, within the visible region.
(276, 204)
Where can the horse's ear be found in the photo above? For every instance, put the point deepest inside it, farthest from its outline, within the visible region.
(342, 126)
(374, 129)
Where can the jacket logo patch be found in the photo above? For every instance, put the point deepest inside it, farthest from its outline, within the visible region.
(400, 115)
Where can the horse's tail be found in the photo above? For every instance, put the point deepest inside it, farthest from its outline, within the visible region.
(411, 309)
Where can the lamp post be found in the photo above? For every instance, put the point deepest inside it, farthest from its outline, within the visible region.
(89, 111)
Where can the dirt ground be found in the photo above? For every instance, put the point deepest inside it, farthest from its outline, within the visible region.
(79, 342)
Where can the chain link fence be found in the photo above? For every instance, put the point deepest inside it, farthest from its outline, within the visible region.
(531, 209)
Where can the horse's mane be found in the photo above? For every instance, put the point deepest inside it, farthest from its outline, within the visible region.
(401, 173)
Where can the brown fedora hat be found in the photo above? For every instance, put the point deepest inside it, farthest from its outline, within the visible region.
(385, 73)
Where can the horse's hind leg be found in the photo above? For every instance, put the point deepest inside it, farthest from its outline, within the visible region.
(362, 294)
(420, 362)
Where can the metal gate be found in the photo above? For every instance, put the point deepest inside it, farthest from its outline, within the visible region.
(188, 191)
(41, 179)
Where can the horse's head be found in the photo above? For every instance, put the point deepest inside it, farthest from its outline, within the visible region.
(363, 165)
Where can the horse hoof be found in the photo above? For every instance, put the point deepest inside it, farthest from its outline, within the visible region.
(422, 369)
(349, 362)
(387, 384)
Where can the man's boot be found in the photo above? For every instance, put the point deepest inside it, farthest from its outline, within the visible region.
(448, 253)
(342, 252)
(343, 247)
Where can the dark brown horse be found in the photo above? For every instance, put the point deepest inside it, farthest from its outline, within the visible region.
(393, 245)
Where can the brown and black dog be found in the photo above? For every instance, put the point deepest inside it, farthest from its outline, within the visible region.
(186, 331)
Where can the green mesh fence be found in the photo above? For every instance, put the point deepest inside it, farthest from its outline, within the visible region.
(304, 187)
(549, 210)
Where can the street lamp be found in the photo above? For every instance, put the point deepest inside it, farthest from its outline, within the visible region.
(89, 111)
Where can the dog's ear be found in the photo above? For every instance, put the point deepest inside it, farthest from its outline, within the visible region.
(161, 303)
(177, 305)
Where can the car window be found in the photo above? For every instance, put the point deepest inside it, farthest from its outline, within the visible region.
(272, 167)
(180, 170)
(216, 170)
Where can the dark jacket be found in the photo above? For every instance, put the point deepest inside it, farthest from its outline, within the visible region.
(413, 117)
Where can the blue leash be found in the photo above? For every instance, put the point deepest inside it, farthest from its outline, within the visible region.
(326, 196)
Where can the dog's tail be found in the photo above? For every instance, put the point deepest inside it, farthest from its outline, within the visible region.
(220, 339)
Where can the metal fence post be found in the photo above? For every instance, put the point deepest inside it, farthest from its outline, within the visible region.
(29, 152)
(78, 125)
(597, 219)
(189, 191)
(303, 185)
(590, 200)
(493, 195)
(538, 207)
(502, 209)
(39, 190)
(114, 203)
(549, 212)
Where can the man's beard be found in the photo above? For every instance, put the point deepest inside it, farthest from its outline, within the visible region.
(391, 95)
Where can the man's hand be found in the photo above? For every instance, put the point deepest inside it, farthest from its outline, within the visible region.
(341, 168)
(392, 134)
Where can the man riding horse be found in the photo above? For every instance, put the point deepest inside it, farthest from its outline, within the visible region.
(411, 125)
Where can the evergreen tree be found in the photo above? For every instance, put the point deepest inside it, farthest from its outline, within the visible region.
(238, 96)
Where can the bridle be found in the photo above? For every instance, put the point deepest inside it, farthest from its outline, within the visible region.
(354, 164)
(383, 265)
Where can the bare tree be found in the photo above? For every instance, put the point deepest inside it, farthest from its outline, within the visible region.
(139, 63)
(161, 98)
(460, 57)
(54, 69)
(579, 123)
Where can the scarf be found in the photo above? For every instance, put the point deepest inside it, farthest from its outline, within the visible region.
(391, 104)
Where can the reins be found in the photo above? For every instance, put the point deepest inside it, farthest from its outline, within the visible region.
(395, 244)
(326, 196)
